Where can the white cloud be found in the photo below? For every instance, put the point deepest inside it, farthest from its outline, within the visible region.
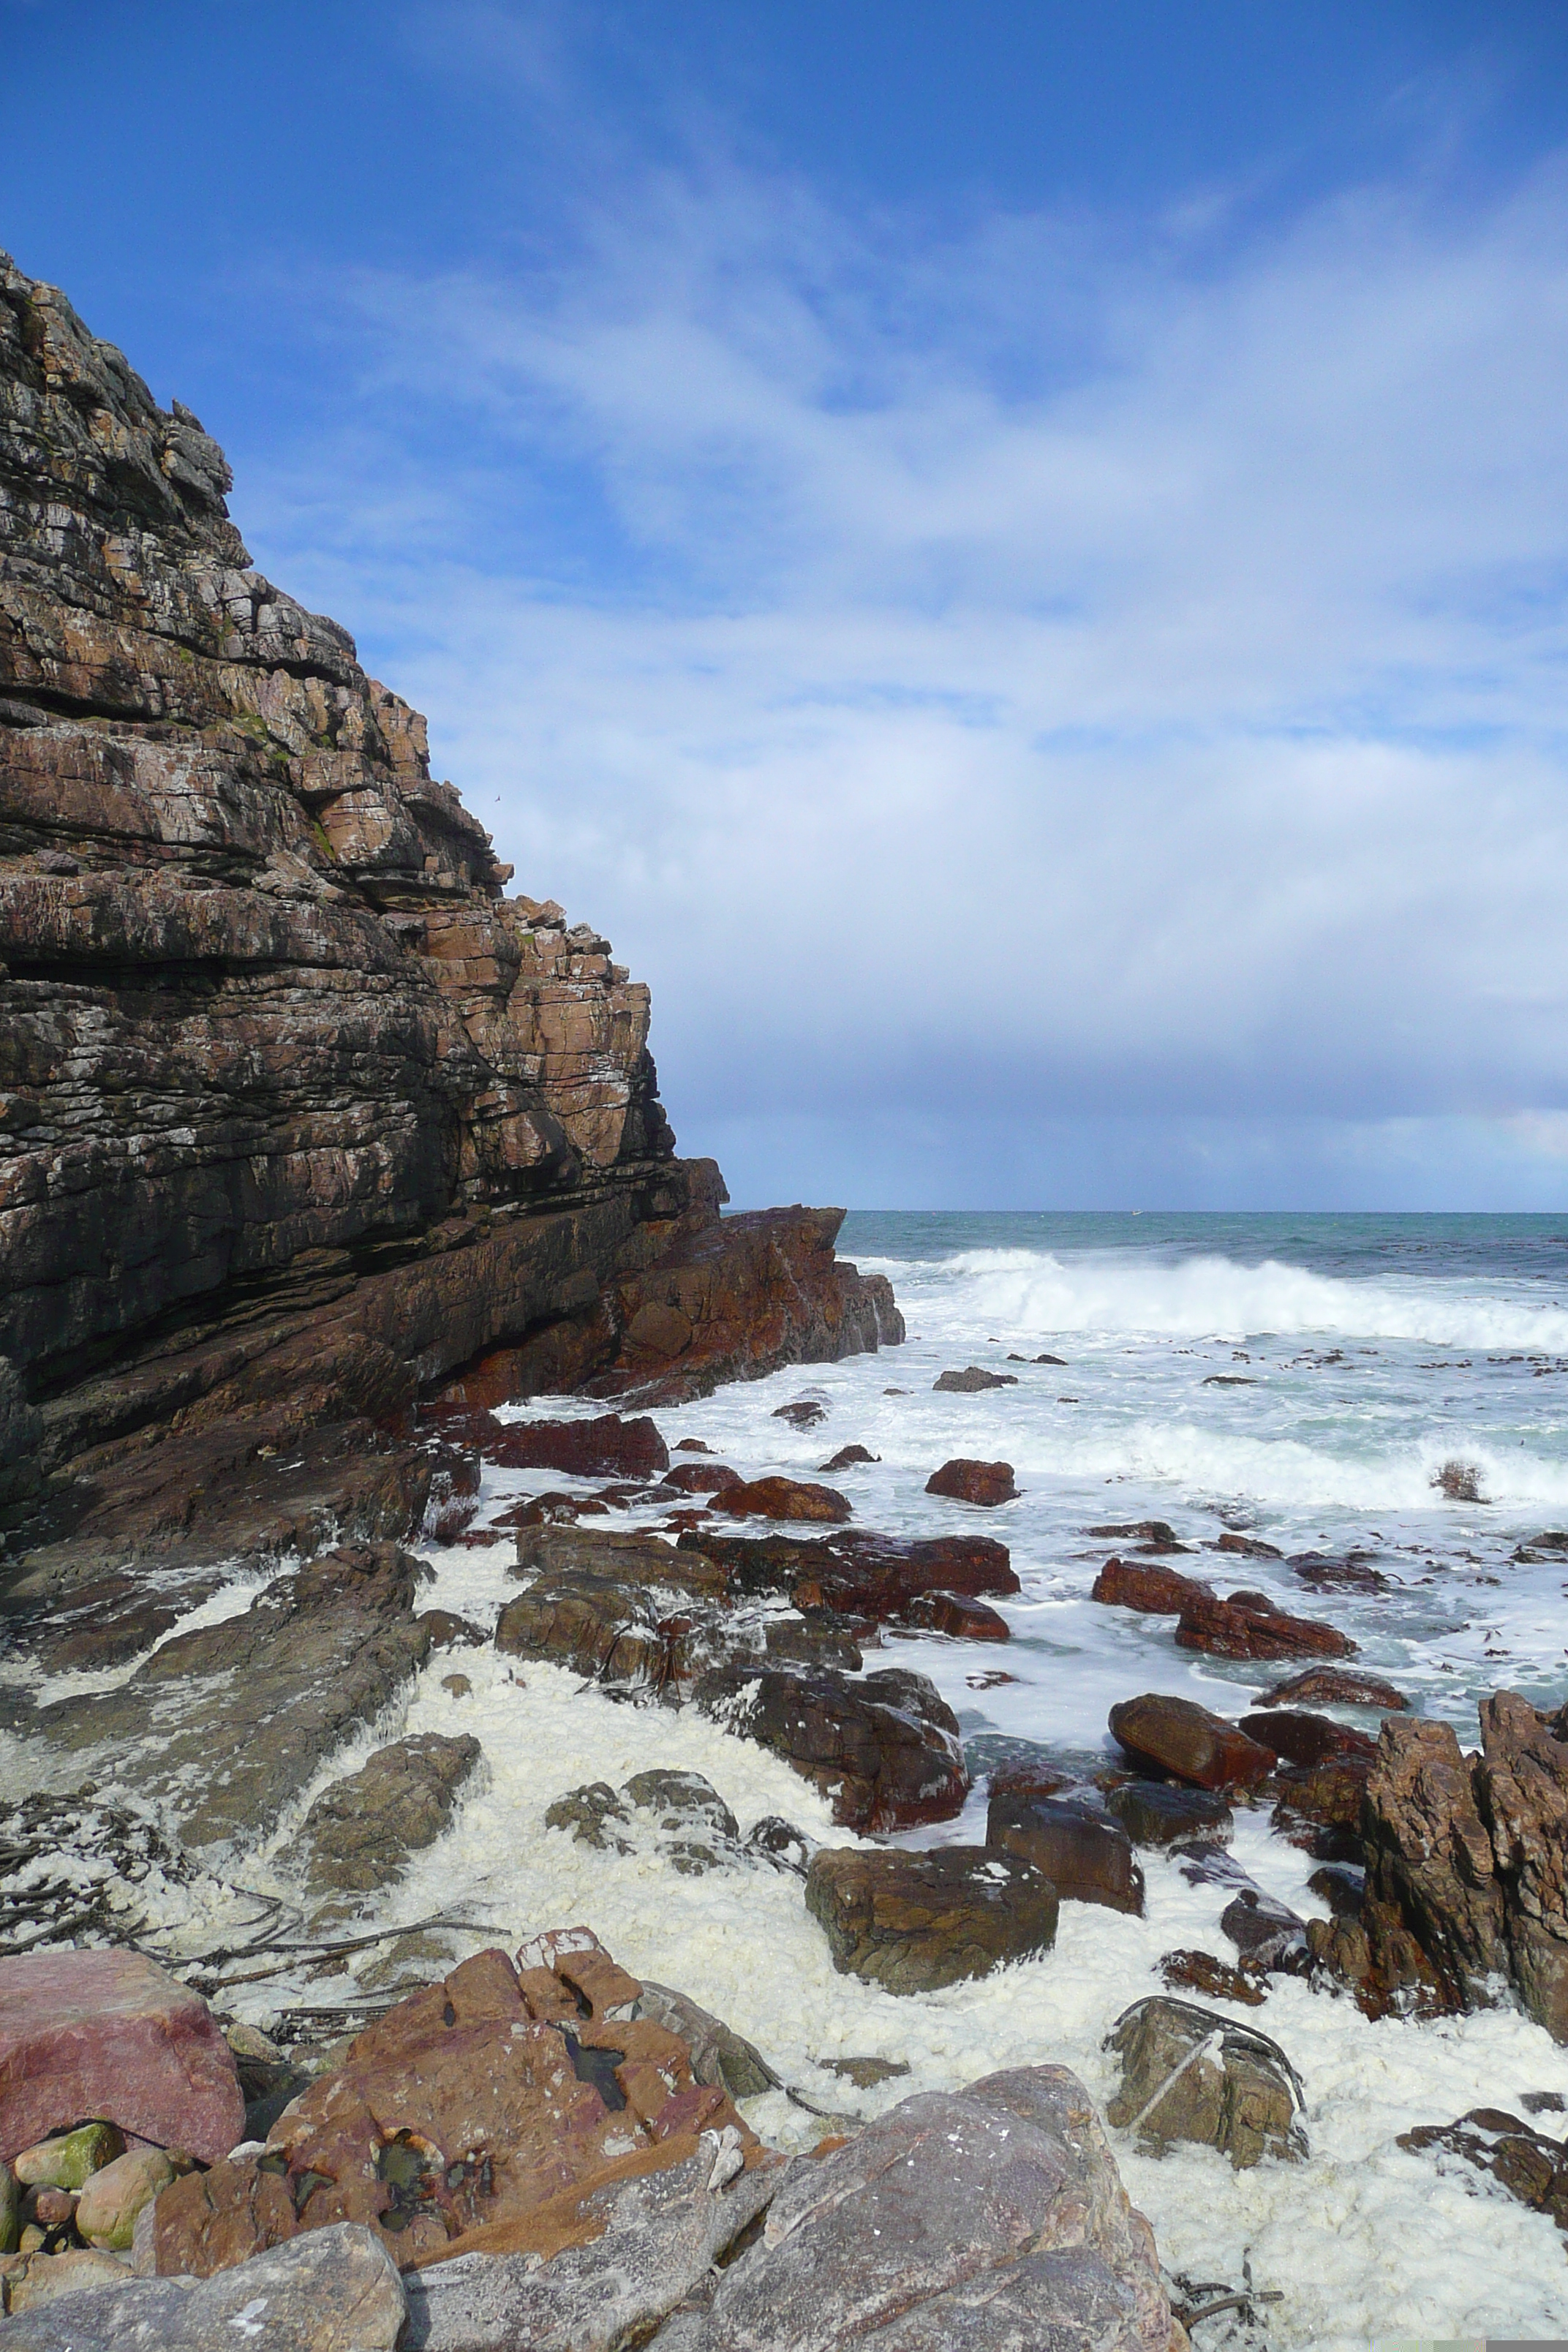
(1039, 673)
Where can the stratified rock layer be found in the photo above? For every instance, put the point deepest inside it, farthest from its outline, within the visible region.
(300, 1115)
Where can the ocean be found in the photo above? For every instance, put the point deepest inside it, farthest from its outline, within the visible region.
(1303, 1380)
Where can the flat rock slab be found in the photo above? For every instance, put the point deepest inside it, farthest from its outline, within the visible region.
(650, 2239)
(913, 1921)
(1186, 1740)
(224, 1724)
(110, 2034)
(1153, 1592)
(359, 1833)
(994, 2219)
(335, 2291)
(1250, 1625)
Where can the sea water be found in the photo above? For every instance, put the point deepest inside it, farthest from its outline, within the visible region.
(1305, 1379)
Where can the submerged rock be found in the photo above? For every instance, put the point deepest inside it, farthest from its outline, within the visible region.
(362, 1829)
(1250, 1625)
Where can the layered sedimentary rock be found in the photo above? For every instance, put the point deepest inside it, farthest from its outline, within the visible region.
(300, 1114)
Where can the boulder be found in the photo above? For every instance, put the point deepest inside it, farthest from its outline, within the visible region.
(858, 1574)
(33, 2280)
(629, 2252)
(1304, 1738)
(701, 1477)
(1188, 2074)
(1246, 1547)
(697, 1830)
(993, 2219)
(335, 2291)
(1333, 1687)
(475, 2101)
(911, 1921)
(362, 1829)
(957, 1615)
(780, 1498)
(1087, 1858)
(590, 1814)
(447, 1631)
(1185, 1739)
(885, 1749)
(110, 2034)
(71, 2158)
(848, 1457)
(1249, 1625)
(604, 1447)
(1431, 1883)
(1523, 1789)
(985, 1483)
(972, 1380)
(1156, 1812)
(1530, 2167)
(1156, 1592)
(1264, 1930)
(110, 2201)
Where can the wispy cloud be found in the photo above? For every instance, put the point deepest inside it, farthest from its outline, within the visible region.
(1062, 669)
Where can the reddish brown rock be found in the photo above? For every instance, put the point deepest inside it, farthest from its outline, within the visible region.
(1303, 1739)
(1331, 1687)
(1188, 1971)
(1185, 1740)
(469, 2104)
(956, 1613)
(1532, 2167)
(1522, 1785)
(1355, 1573)
(884, 1750)
(110, 2034)
(1249, 1625)
(1157, 1592)
(701, 1477)
(605, 1447)
(860, 1574)
(780, 1498)
(1248, 1546)
(985, 1483)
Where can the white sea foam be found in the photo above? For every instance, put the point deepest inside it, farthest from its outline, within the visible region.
(1107, 1293)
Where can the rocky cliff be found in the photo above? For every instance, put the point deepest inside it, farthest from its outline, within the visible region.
(301, 1117)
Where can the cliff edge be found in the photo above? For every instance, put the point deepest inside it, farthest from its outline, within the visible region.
(301, 1117)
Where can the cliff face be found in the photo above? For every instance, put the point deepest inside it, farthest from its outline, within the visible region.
(298, 1114)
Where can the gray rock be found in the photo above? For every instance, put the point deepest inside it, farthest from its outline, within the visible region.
(332, 2289)
(662, 2233)
(587, 1814)
(359, 1833)
(698, 1831)
(972, 1380)
(720, 2057)
(1189, 2073)
(1155, 1812)
(994, 2219)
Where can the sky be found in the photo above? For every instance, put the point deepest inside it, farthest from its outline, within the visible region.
(1011, 557)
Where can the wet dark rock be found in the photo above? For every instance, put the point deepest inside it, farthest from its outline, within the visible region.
(782, 1498)
(1154, 1535)
(1335, 1687)
(984, 1482)
(1250, 1625)
(1319, 1807)
(1264, 1929)
(859, 1574)
(1240, 2094)
(1087, 1858)
(1185, 1739)
(885, 1749)
(972, 1380)
(804, 1413)
(1156, 1592)
(701, 1477)
(1154, 1812)
(913, 1921)
(955, 1613)
(1200, 1972)
(450, 1632)
(1342, 1886)
(361, 1830)
(847, 1458)
(1305, 1739)
(1355, 1573)
(1246, 1547)
(779, 1843)
(604, 1447)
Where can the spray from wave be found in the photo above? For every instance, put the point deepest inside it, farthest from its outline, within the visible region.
(1036, 1292)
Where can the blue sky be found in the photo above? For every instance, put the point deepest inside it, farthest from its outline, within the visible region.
(1013, 558)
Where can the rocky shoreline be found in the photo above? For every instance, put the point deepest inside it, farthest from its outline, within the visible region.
(322, 1164)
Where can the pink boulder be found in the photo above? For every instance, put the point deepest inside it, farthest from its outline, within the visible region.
(111, 2035)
